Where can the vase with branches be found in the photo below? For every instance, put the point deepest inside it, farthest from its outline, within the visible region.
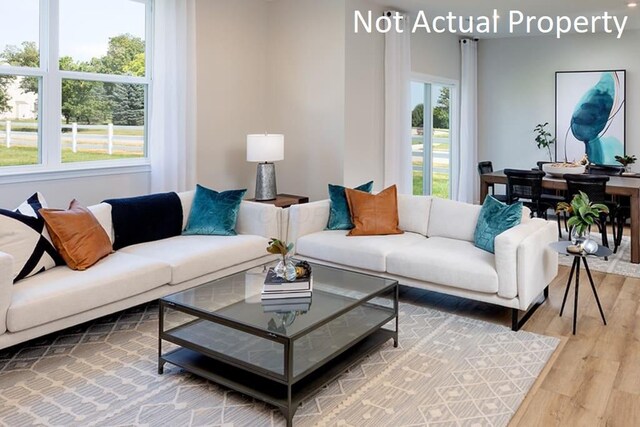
(544, 139)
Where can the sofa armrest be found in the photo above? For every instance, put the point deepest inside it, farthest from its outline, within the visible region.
(262, 219)
(524, 261)
(6, 287)
(307, 218)
(537, 264)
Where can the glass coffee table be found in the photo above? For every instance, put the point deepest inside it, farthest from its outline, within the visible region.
(281, 355)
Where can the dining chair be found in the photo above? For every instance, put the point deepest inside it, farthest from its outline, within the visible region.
(605, 170)
(594, 186)
(487, 167)
(526, 186)
(623, 203)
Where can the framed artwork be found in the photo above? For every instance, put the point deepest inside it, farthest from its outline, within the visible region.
(590, 115)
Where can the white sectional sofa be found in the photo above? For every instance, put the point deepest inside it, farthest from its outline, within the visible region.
(437, 253)
(60, 297)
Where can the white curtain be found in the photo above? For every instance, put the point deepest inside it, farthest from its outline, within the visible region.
(397, 132)
(466, 185)
(172, 141)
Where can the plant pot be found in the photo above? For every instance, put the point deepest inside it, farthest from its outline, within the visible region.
(583, 241)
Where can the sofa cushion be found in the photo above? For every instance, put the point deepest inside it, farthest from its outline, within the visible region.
(213, 212)
(62, 292)
(495, 218)
(368, 252)
(413, 213)
(455, 220)
(102, 212)
(373, 214)
(145, 218)
(339, 213)
(23, 235)
(77, 235)
(195, 256)
(445, 261)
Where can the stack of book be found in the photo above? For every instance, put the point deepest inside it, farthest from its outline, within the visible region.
(279, 295)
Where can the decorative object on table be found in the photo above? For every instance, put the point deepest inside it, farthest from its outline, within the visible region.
(214, 213)
(285, 268)
(590, 115)
(626, 161)
(339, 213)
(265, 149)
(583, 214)
(495, 217)
(284, 200)
(374, 214)
(559, 169)
(544, 138)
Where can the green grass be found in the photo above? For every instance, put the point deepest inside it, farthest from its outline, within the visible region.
(18, 156)
(440, 184)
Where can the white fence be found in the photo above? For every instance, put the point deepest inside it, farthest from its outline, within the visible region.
(109, 138)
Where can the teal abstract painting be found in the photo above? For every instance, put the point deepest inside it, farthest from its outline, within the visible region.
(590, 115)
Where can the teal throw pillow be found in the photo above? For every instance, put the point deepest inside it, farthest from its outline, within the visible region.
(339, 213)
(214, 213)
(495, 217)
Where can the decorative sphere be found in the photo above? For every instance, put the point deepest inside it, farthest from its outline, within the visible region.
(590, 246)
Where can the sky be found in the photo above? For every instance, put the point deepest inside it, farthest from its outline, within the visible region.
(85, 25)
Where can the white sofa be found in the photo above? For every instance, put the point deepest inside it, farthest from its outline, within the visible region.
(60, 297)
(437, 253)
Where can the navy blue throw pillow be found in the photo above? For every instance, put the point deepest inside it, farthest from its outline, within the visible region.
(145, 218)
(339, 213)
(495, 218)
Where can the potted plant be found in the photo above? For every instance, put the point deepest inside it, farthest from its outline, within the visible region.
(544, 139)
(583, 214)
(626, 161)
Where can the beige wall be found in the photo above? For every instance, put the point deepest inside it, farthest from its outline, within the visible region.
(364, 101)
(232, 57)
(305, 92)
(517, 89)
(437, 55)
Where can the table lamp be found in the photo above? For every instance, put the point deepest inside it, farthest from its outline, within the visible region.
(265, 149)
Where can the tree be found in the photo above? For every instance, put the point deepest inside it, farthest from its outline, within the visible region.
(27, 56)
(5, 81)
(417, 116)
(441, 110)
(124, 51)
(128, 104)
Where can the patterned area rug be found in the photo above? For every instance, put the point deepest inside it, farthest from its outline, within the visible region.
(448, 370)
(618, 263)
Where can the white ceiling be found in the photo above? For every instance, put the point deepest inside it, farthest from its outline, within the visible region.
(571, 8)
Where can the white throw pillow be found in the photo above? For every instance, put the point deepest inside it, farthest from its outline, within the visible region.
(23, 235)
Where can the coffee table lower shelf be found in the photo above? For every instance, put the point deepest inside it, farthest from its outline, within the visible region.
(270, 391)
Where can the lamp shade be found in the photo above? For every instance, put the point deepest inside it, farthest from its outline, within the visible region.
(265, 147)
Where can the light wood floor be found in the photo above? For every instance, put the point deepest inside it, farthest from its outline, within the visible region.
(594, 377)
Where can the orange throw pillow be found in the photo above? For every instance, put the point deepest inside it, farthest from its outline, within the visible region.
(373, 214)
(77, 235)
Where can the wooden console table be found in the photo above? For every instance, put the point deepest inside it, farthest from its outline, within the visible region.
(617, 186)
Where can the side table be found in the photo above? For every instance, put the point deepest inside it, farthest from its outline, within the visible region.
(561, 248)
(284, 200)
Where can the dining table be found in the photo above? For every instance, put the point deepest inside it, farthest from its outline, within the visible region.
(616, 186)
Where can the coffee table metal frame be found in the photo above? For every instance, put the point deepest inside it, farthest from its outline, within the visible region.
(286, 391)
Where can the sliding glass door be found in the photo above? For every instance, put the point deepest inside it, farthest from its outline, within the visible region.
(431, 137)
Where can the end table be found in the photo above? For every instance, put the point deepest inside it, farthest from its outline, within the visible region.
(561, 248)
(284, 200)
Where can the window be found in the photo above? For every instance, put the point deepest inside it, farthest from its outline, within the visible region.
(74, 84)
(431, 136)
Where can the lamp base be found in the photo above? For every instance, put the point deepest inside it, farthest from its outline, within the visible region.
(266, 182)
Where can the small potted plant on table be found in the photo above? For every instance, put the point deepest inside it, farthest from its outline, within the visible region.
(584, 214)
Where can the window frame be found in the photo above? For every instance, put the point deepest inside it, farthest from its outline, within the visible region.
(454, 142)
(50, 164)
